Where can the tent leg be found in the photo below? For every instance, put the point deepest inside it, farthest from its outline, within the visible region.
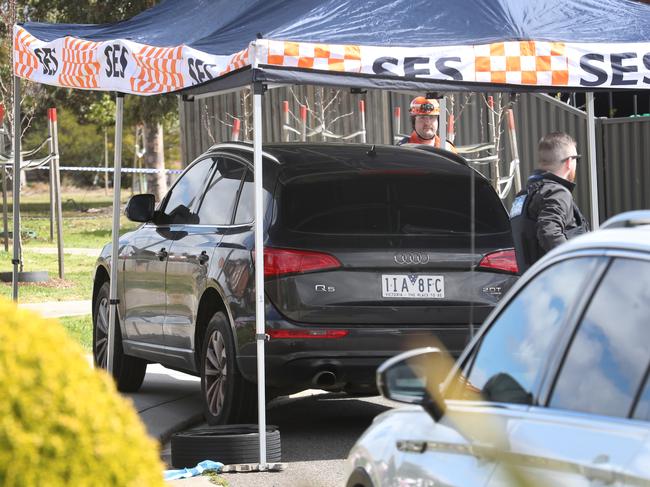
(591, 152)
(260, 334)
(16, 190)
(117, 187)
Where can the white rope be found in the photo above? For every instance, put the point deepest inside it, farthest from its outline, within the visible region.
(102, 169)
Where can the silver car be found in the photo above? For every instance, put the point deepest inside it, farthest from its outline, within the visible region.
(553, 390)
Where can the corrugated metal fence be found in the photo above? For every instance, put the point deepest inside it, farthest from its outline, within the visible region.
(623, 144)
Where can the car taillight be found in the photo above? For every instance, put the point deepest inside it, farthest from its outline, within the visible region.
(279, 262)
(314, 333)
(501, 260)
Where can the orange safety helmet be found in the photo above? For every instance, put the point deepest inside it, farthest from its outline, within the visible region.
(424, 106)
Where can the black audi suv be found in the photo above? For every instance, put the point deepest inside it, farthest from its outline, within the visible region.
(368, 251)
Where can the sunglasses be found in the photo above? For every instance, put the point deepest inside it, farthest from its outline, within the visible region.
(427, 107)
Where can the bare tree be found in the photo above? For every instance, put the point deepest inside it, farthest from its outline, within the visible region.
(324, 110)
(30, 91)
(244, 115)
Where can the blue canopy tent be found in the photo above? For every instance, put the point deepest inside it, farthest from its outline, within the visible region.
(203, 47)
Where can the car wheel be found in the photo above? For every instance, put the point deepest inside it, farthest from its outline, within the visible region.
(226, 444)
(227, 397)
(359, 478)
(128, 372)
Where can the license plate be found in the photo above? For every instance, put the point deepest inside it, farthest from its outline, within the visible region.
(412, 286)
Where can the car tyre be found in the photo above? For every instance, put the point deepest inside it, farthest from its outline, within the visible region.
(228, 444)
(359, 478)
(128, 371)
(227, 397)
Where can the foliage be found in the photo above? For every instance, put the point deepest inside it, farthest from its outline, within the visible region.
(215, 478)
(77, 142)
(64, 423)
(83, 106)
(102, 112)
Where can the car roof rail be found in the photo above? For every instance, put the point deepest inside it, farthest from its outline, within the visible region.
(628, 219)
(246, 146)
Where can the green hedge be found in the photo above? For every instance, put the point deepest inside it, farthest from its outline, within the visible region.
(61, 422)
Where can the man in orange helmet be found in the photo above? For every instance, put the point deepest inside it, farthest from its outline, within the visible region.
(424, 119)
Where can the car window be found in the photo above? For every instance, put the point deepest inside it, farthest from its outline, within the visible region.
(609, 354)
(390, 203)
(246, 203)
(219, 200)
(185, 193)
(510, 359)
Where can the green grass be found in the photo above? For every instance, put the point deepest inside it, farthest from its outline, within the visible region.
(87, 222)
(80, 328)
(76, 285)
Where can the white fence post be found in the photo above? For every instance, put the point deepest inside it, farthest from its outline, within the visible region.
(303, 119)
(513, 148)
(236, 126)
(362, 113)
(397, 123)
(285, 126)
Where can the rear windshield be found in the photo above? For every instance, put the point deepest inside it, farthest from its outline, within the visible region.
(391, 204)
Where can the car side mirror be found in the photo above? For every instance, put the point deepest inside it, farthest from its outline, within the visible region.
(140, 208)
(414, 377)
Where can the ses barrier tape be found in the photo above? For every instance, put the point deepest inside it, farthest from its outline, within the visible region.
(130, 67)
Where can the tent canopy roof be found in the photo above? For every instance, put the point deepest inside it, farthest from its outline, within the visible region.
(224, 27)
(507, 45)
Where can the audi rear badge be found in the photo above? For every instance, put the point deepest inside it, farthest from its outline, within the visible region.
(411, 258)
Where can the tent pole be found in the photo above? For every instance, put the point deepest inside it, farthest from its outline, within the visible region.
(591, 152)
(260, 334)
(117, 186)
(16, 190)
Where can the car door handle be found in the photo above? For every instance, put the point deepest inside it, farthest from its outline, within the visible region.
(162, 254)
(203, 257)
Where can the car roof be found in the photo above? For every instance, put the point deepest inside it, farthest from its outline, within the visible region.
(300, 159)
(302, 153)
(618, 238)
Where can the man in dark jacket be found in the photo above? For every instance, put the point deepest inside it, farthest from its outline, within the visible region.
(544, 214)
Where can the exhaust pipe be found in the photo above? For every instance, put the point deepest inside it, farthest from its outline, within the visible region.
(324, 379)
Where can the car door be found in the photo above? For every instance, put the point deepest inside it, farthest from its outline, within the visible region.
(582, 436)
(192, 254)
(503, 374)
(639, 467)
(144, 286)
(235, 256)
(146, 261)
(500, 380)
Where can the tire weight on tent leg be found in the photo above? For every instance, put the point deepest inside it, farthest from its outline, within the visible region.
(229, 444)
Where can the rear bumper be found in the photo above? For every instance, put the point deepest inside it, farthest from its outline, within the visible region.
(294, 364)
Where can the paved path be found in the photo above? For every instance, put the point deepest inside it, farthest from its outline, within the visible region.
(57, 309)
(168, 401)
(71, 250)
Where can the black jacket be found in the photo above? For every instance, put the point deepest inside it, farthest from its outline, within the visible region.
(544, 216)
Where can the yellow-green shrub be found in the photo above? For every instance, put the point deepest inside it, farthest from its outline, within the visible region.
(61, 422)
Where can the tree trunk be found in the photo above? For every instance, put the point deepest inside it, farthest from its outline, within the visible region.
(154, 158)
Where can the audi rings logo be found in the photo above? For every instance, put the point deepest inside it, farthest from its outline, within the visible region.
(407, 258)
